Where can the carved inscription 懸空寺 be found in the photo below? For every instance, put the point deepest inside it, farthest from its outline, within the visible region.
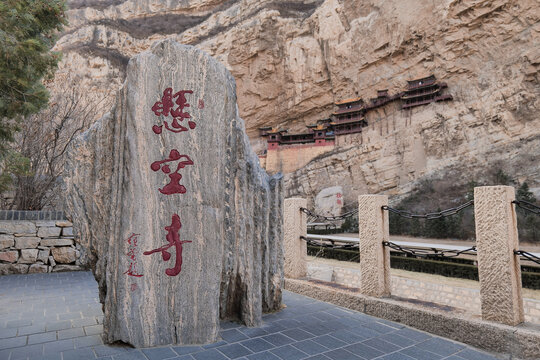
(173, 239)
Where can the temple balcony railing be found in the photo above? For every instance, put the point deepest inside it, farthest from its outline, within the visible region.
(425, 92)
(351, 109)
(296, 141)
(417, 103)
(352, 119)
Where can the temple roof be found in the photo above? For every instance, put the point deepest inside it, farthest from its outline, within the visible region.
(277, 130)
(431, 92)
(348, 121)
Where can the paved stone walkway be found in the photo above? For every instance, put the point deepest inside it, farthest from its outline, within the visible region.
(58, 316)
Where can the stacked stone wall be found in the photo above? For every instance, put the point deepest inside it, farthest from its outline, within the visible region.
(37, 246)
(466, 299)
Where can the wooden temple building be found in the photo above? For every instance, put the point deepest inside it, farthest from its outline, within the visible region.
(350, 116)
(424, 91)
(319, 135)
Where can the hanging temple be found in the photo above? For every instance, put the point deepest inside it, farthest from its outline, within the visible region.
(350, 116)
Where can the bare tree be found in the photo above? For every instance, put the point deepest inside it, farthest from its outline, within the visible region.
(44, 139)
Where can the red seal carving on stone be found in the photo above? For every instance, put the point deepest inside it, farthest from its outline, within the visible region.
(132, 254)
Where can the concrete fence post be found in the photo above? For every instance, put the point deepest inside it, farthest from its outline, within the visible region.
(295, 248)
(498, 266)
(374, 256)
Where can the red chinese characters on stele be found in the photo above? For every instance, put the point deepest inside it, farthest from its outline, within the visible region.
(166, 107)
(132, 254)
(173, 239)
(174, 186)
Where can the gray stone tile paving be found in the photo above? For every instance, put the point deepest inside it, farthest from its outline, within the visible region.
(58, 317)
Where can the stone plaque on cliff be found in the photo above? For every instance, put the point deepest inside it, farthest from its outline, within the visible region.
(329, 201)
(183, 226)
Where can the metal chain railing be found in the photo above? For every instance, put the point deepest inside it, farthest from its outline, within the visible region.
(321, 246)
(429, 252)
(331, 244)
(429, 216)
(423, 253)
(314, 216)
(528, 256)
(527, 206)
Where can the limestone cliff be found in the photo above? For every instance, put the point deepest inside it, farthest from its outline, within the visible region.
(293, 59)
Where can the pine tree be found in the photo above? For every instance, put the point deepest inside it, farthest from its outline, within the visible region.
(27, 34)
(528, 223)
(524, 194)
(436, 228)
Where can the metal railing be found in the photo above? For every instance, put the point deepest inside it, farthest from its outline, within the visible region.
(414, 248)
(527, 206)
(313, 217)
(430, 216)
(417, 249)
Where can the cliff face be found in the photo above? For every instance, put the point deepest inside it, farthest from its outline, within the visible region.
(293, 59)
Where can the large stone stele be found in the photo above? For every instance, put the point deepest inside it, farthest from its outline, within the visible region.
(231, 210)
(329, 201)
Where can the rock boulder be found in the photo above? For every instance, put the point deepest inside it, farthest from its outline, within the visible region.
(38, 268)
(6, 241)
(27, 242)
(49, 231)
(9, 256)
(28, 256)
(182, 225)
(17, 227)
(64, 254)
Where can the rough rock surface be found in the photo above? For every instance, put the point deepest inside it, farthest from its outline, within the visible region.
(293, 59)
(230, 211)
(9, 256)
(61, 268)
(27, 242)
(38, 268)
(64, 254)
(56, 242)
(43, 255)
(6, 269)
(6, 241)
(28, 256)
(20, 228)
(49, 232)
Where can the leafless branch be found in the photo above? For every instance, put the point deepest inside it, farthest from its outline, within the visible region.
(44, 139)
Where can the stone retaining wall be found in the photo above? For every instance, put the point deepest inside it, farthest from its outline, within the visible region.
(463, 298)
(38, 246)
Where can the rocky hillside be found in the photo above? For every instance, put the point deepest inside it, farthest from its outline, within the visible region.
(293, 59)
